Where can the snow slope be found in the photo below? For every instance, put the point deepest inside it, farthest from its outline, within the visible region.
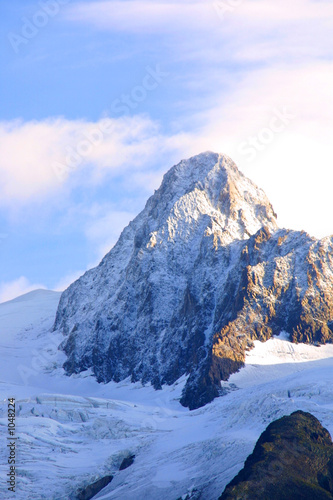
(73, 430)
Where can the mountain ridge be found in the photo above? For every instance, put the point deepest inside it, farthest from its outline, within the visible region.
(201, 272)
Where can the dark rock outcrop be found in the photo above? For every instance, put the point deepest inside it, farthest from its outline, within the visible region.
(293, 459)
(192, 281)
(92, 489)
(127, 462)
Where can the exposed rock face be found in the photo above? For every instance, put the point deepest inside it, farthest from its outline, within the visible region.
(200, 272)
(92, 489)
(293, 459)
(127, 462)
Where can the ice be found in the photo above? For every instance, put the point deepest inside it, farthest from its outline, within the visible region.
(73, 430)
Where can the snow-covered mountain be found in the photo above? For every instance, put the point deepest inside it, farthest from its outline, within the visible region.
(198, 275)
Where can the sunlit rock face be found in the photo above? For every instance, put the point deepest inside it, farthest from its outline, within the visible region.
(293, 458)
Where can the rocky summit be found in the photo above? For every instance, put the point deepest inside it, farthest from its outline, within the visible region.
(198, 275)
(293, 459)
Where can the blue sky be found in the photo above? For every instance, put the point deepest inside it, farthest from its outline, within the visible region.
(99, 99)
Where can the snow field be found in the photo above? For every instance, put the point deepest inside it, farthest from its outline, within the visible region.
(72, 430)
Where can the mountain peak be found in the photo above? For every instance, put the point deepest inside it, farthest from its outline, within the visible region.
(210, 185)
(193, 279)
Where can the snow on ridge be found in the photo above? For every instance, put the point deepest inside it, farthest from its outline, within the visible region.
(277, 358)
(26, 309)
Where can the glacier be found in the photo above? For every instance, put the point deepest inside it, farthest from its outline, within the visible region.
(73, 430)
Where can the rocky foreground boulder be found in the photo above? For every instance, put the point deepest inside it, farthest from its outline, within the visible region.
(292, 460)
(198, 275)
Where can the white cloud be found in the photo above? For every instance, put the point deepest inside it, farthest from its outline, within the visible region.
(143, 16)
(156, 16)
(12, 289)
(247, 30)
(294, 166)
(295, 71)
(37, 158)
